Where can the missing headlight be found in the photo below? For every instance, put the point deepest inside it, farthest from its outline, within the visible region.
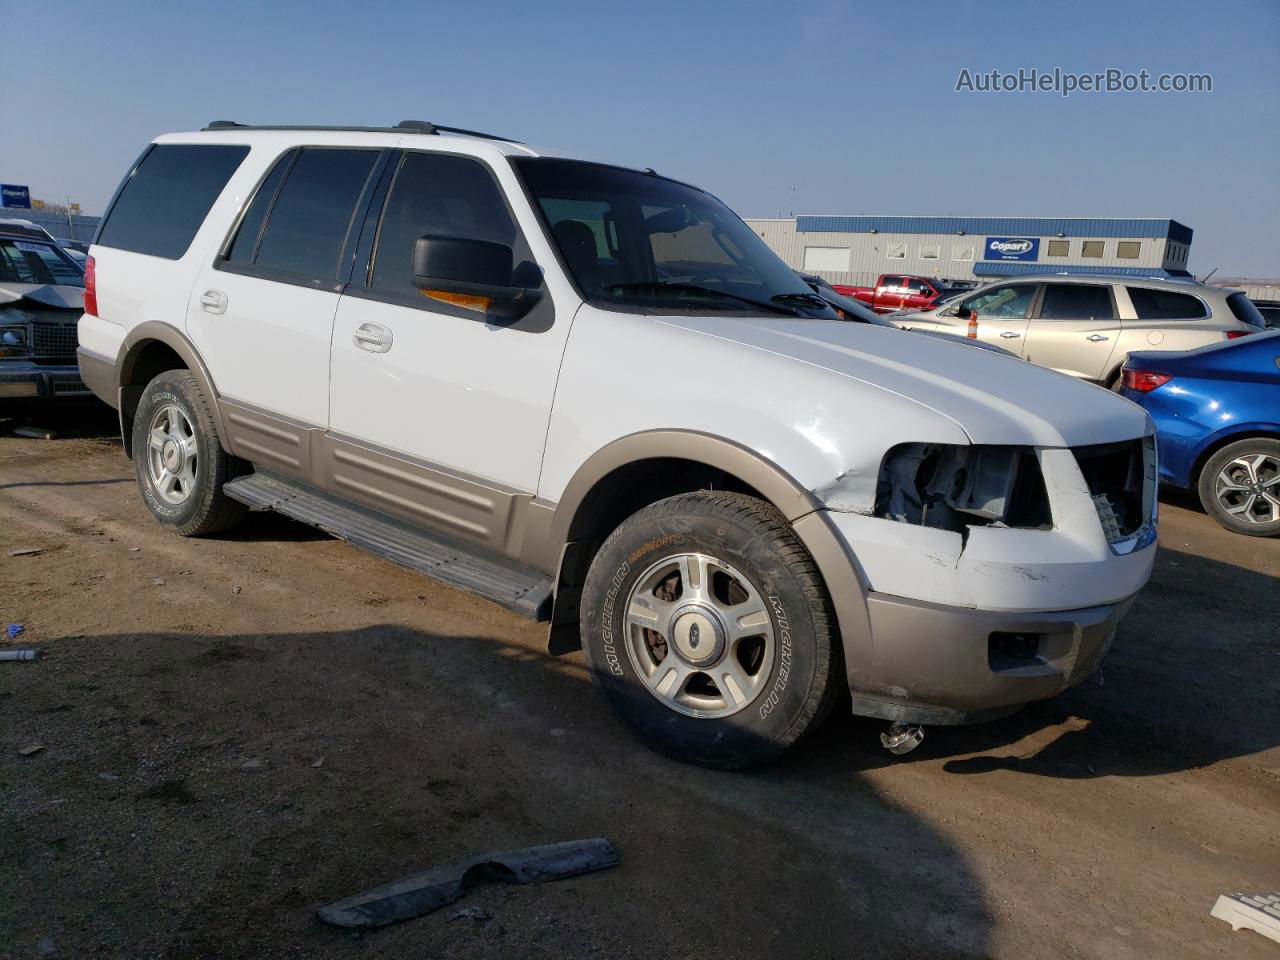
(953, 487)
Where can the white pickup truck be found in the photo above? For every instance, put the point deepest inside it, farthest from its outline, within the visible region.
(593, 395)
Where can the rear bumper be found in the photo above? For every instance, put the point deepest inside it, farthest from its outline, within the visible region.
(938, 664)
(99, 376)
(25, 379)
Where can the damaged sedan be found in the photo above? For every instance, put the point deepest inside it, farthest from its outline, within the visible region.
(41, 301)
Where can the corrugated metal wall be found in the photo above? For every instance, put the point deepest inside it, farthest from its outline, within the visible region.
(869, 252)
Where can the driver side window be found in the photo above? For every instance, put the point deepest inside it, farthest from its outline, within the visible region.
(1011, 302)
(442, 194)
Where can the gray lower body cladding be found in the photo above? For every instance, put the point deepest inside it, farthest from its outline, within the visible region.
(937, 664)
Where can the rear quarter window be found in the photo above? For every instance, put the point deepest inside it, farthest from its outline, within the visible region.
(1244, 310)
(1151, 304)
(166, 197)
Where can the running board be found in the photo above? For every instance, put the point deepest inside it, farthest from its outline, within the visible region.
(519, 589)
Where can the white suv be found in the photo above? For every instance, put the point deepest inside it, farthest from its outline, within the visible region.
(593, 395)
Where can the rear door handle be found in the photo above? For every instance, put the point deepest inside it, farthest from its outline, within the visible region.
(1095, 337)
(213, 301)
(372, 337)
(1009, 334)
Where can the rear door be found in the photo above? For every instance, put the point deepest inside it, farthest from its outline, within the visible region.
(1074, 330)
(1002, 313)
(262, 313)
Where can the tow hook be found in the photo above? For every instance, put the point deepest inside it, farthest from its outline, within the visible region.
(902, 738)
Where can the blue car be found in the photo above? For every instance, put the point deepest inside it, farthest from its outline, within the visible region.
(1217, 414)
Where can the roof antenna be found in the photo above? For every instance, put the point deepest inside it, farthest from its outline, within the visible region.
(1209, 274)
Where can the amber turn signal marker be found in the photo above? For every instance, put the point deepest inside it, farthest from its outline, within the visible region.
(464, 300)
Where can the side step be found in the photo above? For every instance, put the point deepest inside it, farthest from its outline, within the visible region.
(524, 591)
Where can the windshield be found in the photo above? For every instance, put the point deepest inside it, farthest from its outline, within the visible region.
(636, 239)
(33, 261)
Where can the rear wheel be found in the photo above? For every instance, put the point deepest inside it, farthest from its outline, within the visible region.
(178, 460)
(1240, 487)
(707, 626)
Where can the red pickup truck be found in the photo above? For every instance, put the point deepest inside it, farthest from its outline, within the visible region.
(893, 291)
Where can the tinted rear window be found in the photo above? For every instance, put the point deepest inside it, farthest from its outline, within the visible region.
(1076, 301)
(163, 202)
(308, 224)
(246, 242)
(1165, 305)
(1245, 311)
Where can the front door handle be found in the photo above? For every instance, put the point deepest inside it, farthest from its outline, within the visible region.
(1009, 334)
(372, 337)
(213, 301)
(1096, 337)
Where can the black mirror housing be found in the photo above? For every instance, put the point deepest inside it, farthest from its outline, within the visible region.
(474, 274)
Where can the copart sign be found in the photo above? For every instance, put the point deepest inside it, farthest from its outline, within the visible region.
(1012, 248)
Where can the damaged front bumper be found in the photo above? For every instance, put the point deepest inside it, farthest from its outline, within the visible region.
(961, 626)
(937, 664)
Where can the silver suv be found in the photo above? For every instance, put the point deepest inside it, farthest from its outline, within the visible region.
(1086, 325)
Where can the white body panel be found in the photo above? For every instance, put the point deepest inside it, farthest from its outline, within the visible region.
(270, 348)
(823, 400)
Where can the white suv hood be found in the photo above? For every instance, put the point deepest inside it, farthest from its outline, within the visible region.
(993, 398)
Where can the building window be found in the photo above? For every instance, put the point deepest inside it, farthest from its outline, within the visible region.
(929, 251)
(829, 259)
(1128, 249)
(897, 251)
(1092, 248)
(962, 252)
(1059, 248)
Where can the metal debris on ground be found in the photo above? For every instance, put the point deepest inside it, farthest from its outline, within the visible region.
(26, 551)
(902, 738)
(1259, 912)
(35, 433)
(434, 888)
(22, 653)
(30, 751)
(14, 629)
(469, 913)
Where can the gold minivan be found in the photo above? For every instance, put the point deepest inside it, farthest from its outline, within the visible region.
(1086, 325)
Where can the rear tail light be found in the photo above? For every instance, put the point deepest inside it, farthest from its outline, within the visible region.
(1236, 334)
(1143, 381)
(90, 288)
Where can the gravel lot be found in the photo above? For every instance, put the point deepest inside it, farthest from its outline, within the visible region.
(236, 731)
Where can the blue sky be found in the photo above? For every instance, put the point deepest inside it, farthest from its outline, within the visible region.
(816, 107)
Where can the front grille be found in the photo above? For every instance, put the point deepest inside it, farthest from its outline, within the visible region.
(1121, 479)
(55, 340)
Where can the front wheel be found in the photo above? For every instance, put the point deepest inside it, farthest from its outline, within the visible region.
(1240, 487)
(707, 626)
(178, 460)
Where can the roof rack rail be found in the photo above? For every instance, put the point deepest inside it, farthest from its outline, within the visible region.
(404, 126)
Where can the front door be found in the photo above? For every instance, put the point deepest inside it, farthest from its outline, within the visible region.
(1002, 314)
(439, 412)
(1075, 329)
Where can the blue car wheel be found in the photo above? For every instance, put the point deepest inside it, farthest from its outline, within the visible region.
(1240, 487)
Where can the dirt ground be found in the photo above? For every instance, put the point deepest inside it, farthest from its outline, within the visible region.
(236, 731)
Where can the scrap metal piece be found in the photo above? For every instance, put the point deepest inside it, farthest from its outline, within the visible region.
(1259, 912)
(23, 653)
(434, 888)
(902, 738)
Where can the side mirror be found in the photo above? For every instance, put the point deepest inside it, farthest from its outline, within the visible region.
(473, 274)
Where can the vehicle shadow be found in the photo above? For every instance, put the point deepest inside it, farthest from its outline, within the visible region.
(1192, 680)
(68, 418)
(265, 775)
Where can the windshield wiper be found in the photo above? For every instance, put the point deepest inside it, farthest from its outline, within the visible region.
(663, 285)
(812, 299)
